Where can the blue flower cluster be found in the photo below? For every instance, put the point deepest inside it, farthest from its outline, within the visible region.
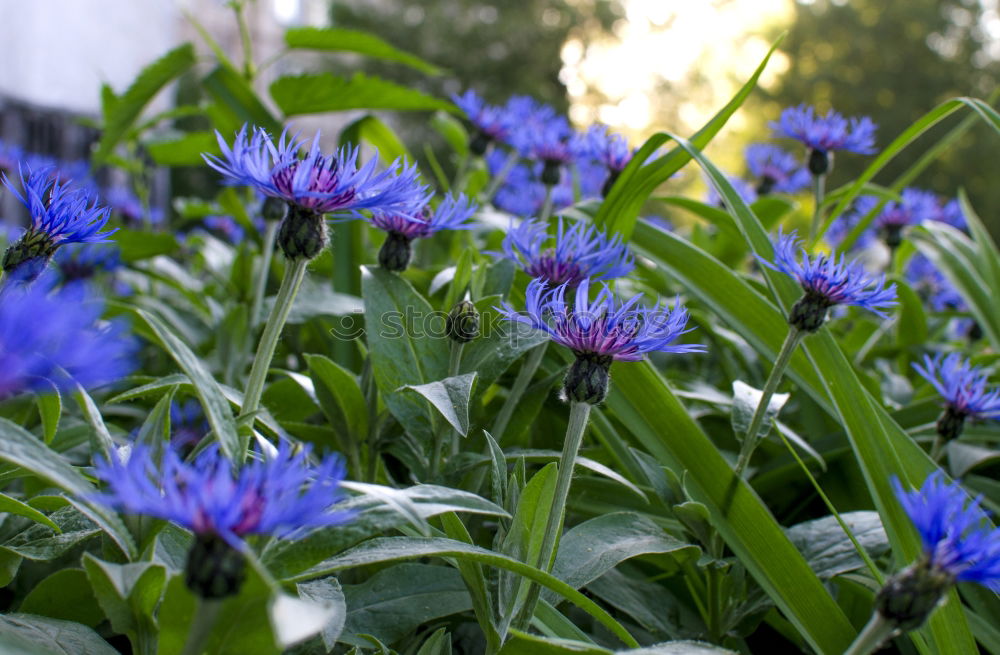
(827, 132)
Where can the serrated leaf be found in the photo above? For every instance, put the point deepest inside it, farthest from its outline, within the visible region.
(338, 39)
(314, 93)
(127, 107)
(450, 397)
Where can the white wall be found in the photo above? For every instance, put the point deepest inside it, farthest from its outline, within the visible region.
(56, 53)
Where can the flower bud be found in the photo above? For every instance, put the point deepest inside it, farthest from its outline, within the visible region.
(809, 313)
(273, 209)
(950, 423)
(26, 258)
(480, 143)
(551, 172)
(610, 182)
(395, 252)
(820, 162)
(302, 234)
(463, 322)
(909, 597)
(893, 235)
(214, 568)
(588, 379)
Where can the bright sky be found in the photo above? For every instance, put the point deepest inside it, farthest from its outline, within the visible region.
(670, 63)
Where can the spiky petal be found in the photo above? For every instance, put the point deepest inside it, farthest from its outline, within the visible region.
(829, 132)
(963, 387)
(578, 252)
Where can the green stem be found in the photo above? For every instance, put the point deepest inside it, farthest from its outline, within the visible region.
(713, 590)
(295, 272)
(521, 382)
(579, 413)
(246, 41)
(546, 205)
(937, 448)
(461, 173)
(750, 440)
(265, 269)
(871, 636)
(205, 614)
(454, 365)
(495, 183)
(819, 184)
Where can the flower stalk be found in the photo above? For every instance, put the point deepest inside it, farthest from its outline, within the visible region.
(206, 613)
(872, 636)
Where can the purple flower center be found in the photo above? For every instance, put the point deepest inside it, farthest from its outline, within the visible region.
(323, 180)
(549, 267)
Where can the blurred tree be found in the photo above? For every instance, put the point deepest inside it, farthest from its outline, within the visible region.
(894, 61)
(498, 47)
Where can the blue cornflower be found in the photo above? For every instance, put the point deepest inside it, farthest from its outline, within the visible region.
(827, 281)
(579, 252)
(53, 338)
(59, 215)
(964, 390)
(315, 185)
(555, 144)
(84, 261)
(611, 150)
(951, 213)
(600, 331)
(493, 124)
(776, 169)
(824, 134)
(225, 226)
(123, 201)
(931, 283)
(318, 182)
(914, 206)
(188, 424)
(417, 222)
(280, 495)
(959, 545)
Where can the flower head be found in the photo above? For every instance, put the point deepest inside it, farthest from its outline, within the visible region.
(956, 534)
(188, 424)
(776, 169)
(609, 148)
(492, 123)
(53, 338)
(827, 281)
(914, 206)
(829, 132)
(420, 221)
(84, 261)
(579, 252)
(278, 495)
(59, 215)
(606, 326)
(930, 282)
(319, 183)
(964, 390)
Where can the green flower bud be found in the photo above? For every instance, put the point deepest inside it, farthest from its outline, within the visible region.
(395, 252)
(809, 313)
(214, 568)
(302, 233)
(909, 597)
(950, 423)
(551, 172)
(28, 256)
(820, 161)
(463, 322)
(274, 209)
(588, 379)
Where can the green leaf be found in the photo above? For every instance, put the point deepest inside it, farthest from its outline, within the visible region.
(128, 594)
(184, 150)
(745, 402)
(523, 540)
(594, 547)
(438, 643)
(129, 105)
(453, 132)
(339, 395)
(390, 549)
(137, 245)
(500, 344)
(522, 643)
(405, 346)
(100, 442)
(395, 601)
(209, 392)
(38, 543)
(236, 103)
(21, 448)
(328, 592)
(15, 506)
(64, 595)
(679, 648)
(643, 402)
(27, 634)
(314, 93)
(621, 207)
(336, 39)
(450, 397)
(829, 551)
(49, 410)
(379, 135)
(316, 298)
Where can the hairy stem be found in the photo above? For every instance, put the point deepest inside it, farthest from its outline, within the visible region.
(871, 636)
(205, 614)
(265, 269)
(819, 185)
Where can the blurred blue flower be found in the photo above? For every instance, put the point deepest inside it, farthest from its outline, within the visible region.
(604, 327)
(59, 215)
(962, 386)
(913, 207)
(776, 169)
(958, 539)
(579, 252)
(826, 133)
(827, 281)
(493, 124)
(417, 222)
(188, 424)
(318, 182)
(126, 204)
(55, 338)
(226, 227)
(80, 262)
(279, 495)
(930, 282)
(952, 214)
(743, 189)
(609, 148)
